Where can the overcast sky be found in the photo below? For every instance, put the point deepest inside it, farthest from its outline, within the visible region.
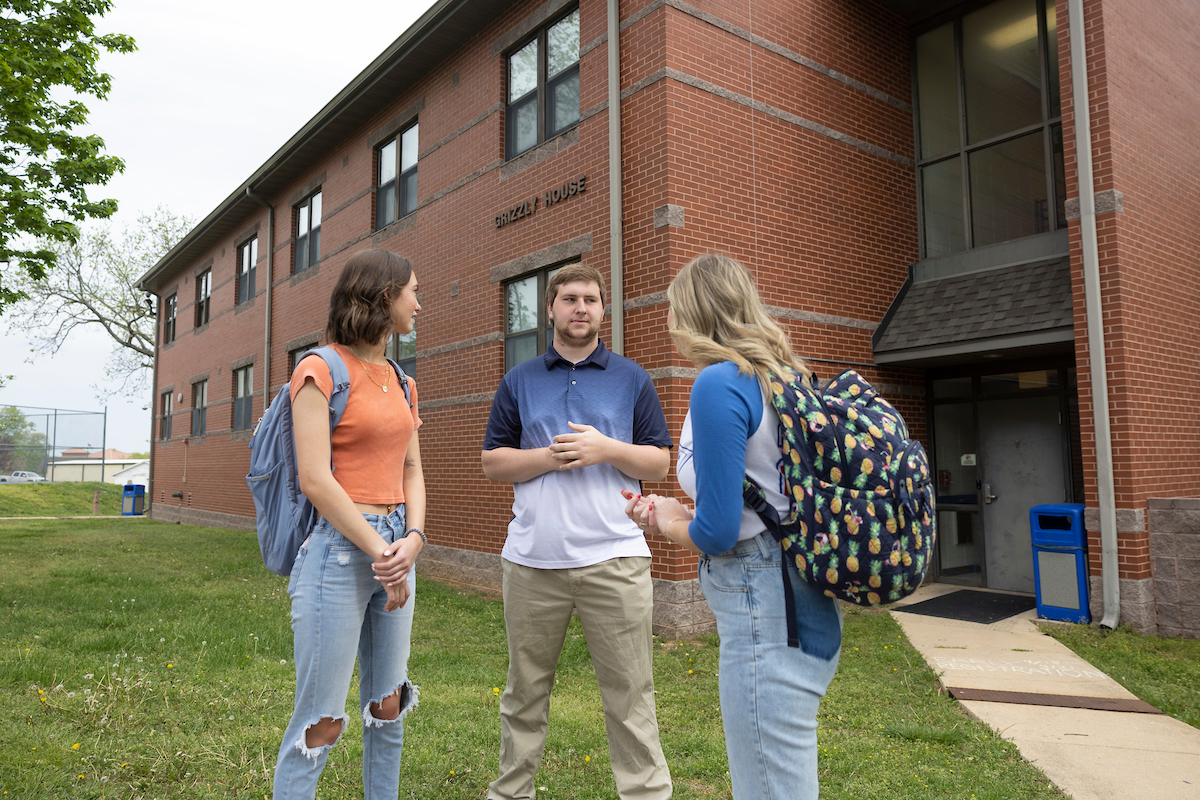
(213, 90)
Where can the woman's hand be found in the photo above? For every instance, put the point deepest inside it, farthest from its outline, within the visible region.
(657, 514)
(397, 560)
(397, 594)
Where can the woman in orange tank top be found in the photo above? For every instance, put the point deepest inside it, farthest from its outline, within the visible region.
(353, 581)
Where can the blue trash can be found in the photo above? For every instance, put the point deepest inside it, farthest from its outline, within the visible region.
(133, 500)
(1060, 562)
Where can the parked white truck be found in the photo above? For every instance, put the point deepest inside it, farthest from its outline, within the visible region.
(22, 476)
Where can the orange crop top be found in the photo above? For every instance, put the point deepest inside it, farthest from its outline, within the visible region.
(370, 442)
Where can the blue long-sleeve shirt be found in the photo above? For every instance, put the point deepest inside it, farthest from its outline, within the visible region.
(729, 432)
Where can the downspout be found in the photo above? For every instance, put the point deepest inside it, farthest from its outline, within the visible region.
(270, 282)
(1109, 569)
(616, 244)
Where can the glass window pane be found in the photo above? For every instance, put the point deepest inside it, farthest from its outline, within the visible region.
(408, 149)
(301, 255)
(314, 246)
(522, 306)
(316, 209)
(524, 125)
(1008, 190)
(387, 162)
(563, 111)
(522, 71)
(385, 205)
(406, 346)
(941, 186)
(1060, 174)
(410, 193)
(1019, 381)
(1052, 53)
(562, 42)
(937, 91)
(519, 348)
(1001, 68)
(954, 437)
(302, 220)
(952, 387)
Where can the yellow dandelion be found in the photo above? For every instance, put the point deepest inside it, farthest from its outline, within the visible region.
(589, 758)
(75, 746)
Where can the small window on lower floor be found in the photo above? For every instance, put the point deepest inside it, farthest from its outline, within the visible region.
(527, 329)
(402, 348)
(164, 425)
(243, 398)
(199, 408)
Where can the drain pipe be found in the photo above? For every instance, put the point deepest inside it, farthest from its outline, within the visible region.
(1109, 569)
(270, 281)
(616, 242)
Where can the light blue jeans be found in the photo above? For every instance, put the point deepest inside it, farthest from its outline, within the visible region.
(769, 691)
(337, 611)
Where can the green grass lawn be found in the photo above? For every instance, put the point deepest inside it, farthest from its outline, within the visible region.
(1163, 672)
(57, 499)
(141, 659)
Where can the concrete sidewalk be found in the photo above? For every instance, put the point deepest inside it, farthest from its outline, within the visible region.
(1090, 755)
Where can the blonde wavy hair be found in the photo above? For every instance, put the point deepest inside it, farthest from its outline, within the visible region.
(716, 315)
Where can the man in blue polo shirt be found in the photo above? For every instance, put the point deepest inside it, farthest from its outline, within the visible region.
(571, 430)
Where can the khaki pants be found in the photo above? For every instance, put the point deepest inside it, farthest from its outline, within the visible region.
(615, 601)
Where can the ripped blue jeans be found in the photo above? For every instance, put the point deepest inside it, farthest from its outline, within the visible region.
(337, 612)
(769, 691)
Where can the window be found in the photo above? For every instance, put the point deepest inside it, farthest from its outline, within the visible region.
(199, 407)
(396, 194)
(527, 330)
(989, 123)
(203, 297)
(164, 426)
(308, 233)
(247, 258)
(243, 398)
(402, 348)
(169, 320)
(294, 356)
(543, 85)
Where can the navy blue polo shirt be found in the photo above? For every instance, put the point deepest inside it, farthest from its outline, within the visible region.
(574, 518)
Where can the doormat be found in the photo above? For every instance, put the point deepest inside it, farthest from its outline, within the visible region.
(968, 605)
(1131, 704)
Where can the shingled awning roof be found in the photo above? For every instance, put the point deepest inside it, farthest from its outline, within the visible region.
(954, 319)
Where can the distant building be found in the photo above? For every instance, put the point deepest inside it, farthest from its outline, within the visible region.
(902, 176)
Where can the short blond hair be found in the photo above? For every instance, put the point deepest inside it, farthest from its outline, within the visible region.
(716, 315)
(573, 272)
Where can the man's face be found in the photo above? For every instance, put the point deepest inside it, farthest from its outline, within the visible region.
(576, 313)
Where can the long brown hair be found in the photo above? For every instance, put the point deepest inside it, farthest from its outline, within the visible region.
(716, 315)
(360, 308)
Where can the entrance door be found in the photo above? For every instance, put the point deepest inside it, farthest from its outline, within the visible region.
(1021, 444)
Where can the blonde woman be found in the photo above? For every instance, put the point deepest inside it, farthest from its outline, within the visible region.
(769, 692)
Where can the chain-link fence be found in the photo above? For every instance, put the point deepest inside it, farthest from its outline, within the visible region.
(47, 440)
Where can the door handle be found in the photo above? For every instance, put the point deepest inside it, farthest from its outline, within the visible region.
(988, 497)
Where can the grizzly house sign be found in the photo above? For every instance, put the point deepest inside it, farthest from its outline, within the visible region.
(527, 208)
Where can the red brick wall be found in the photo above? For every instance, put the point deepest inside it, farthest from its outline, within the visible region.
(1143, 73)
(828, 227)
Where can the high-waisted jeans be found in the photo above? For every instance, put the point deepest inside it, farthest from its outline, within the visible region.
(769, 691)
(337, 612)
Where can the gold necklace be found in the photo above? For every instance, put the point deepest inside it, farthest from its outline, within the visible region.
(386, 380)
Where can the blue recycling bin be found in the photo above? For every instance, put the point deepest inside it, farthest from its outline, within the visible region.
(1060, 562)
(133, 500)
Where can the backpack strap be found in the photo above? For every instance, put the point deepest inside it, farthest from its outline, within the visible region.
(403, 381)
(340, 376)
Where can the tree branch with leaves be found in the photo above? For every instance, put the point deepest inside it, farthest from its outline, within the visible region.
(93, 285)
(49, 49)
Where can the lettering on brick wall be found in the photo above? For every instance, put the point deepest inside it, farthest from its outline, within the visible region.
(527, 208)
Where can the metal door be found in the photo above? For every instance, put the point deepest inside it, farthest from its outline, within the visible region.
(1021, 443)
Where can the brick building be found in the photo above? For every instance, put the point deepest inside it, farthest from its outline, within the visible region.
(902, 176)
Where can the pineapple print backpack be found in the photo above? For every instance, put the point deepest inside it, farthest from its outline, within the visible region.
(862, 520)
